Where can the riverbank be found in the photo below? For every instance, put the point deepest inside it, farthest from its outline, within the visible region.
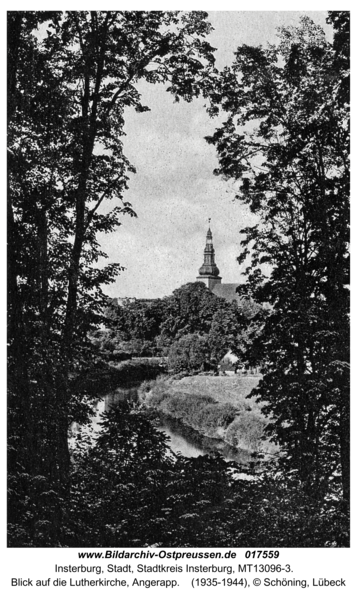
(188, 442)
(215, 407)
(106, 376)
(212, 413)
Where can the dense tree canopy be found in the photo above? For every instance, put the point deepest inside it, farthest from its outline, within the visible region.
(71, 77)
(154, 326)
(286, 140)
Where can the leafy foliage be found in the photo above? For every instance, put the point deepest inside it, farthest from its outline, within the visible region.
(189, 353)
(286, 140)
(128, 490)
(71, 77)
(191, 317)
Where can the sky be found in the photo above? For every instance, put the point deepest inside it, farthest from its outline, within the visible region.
(174, 191)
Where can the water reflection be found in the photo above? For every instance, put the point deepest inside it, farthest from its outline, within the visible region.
(128, 395)
(179, 444)
(182, 438)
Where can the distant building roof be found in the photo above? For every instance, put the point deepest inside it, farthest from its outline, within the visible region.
(229, 357)
(228, 291)
(130, 300)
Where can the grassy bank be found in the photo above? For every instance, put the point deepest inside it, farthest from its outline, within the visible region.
(215, 406)
(233, 389)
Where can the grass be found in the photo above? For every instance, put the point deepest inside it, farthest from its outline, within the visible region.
(222, 389)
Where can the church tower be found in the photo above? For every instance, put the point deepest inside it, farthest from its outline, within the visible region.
(209, 272)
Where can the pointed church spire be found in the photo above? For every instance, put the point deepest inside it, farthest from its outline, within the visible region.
(209, 272)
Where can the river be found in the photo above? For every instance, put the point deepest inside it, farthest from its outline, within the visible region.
(181, 438)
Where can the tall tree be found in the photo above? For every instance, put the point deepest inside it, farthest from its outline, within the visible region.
(71, 77)
(190, 309)
(286, 141)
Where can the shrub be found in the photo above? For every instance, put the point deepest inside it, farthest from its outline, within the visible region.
(246, 431)
(191, 352)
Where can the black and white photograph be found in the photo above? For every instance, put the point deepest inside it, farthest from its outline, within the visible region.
(178, 280)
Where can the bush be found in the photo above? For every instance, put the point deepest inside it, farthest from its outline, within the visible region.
(246, 431)
(200, 412)
(190, 353)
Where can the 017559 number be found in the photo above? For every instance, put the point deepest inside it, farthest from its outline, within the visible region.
(262, 554)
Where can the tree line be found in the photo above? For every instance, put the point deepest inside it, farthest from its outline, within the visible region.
(192, 327)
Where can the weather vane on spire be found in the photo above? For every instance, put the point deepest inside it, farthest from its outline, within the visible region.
(209, 220)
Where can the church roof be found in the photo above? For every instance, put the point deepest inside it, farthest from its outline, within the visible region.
(226, 291)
